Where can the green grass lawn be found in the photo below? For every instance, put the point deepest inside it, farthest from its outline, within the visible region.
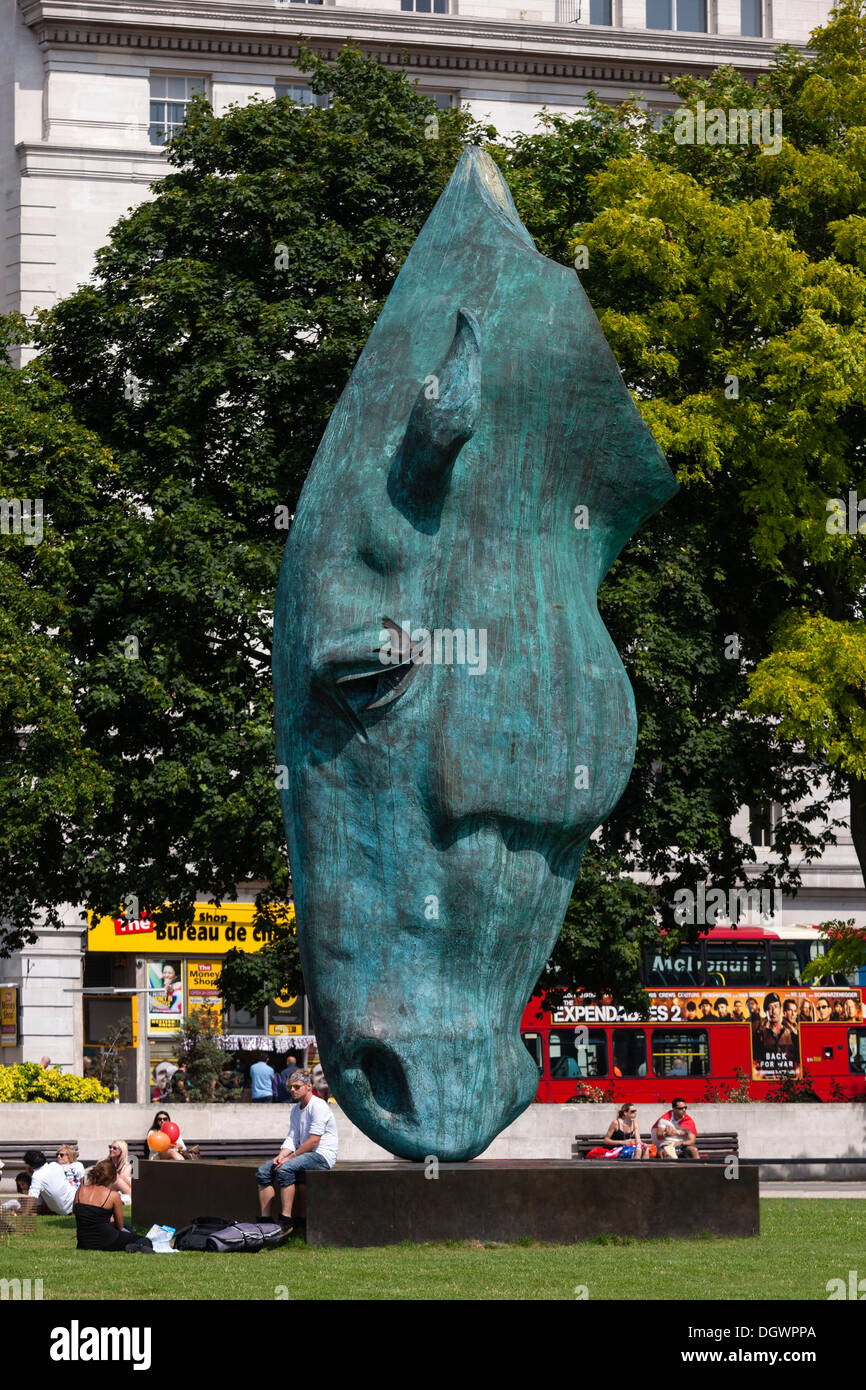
(802, 1244)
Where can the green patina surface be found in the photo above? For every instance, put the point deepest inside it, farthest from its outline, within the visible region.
(454, 716)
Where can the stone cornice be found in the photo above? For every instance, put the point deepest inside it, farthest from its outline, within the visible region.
(448, 44)
(142, 165)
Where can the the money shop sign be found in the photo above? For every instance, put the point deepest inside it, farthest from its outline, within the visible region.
(214, 931)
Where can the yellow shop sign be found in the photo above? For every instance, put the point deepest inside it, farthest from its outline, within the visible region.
(214, 931)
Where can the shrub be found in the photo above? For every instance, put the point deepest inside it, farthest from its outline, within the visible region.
(792, 1088)
(591, 1095)
(728, 1092)
(28, 1081)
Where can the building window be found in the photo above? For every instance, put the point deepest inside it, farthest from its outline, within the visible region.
(659, 14)
(763, 820)
(425, 6)
(600, 12)
(443, 100)
(751, 19)
(169, 98)
(304, 96)
(691, 15)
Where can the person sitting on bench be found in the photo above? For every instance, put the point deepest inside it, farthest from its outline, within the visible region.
(310, 1143)
(675, 1133)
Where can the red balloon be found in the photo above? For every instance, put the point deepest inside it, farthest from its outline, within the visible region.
(171, 1129)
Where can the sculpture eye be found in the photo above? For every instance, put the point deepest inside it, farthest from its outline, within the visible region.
(360, 692)
(372, 690)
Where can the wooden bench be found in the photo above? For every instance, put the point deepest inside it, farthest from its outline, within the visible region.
(12, 1154)
(717, 1145)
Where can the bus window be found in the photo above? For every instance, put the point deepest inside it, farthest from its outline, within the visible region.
(629, 1052)
(857, 1051)
(677, 968)
(789, 959)
(680, 1053)
(785, 964)
(532, 1043)
(570, 1059)
(731, 963)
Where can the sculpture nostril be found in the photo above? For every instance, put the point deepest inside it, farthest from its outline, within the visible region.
(386, 1079)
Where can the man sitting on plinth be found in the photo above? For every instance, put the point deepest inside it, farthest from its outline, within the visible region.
(310, 1143)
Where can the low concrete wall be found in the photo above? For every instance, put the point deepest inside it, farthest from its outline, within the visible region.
(543, 1131)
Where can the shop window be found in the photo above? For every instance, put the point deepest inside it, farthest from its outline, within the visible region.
(104, 1017)
(629, 1052)
(243, 1021)
(680, 1053)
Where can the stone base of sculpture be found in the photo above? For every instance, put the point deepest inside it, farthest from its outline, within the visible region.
(551, 1200)
(548, 1200)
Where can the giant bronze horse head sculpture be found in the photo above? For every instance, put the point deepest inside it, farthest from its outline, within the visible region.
(453, 716)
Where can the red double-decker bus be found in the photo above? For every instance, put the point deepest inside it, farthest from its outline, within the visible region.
(729, 1012)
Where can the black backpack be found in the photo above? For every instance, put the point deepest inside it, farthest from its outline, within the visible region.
(217, 1233)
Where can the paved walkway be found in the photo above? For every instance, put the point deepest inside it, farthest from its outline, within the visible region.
(813, 1189)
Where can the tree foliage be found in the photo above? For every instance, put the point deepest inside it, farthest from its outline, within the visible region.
(193, 378)
(730, 284)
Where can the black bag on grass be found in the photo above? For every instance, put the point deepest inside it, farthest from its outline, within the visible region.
(195, 1236)
(216, 1233)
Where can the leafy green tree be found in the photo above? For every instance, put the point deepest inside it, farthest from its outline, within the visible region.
(844, 951)
(730, 284)
(201, 364)
(52, 782)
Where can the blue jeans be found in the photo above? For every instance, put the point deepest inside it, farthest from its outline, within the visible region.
(268, 1175)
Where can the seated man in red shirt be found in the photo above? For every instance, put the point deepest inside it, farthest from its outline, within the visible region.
(676, 1130)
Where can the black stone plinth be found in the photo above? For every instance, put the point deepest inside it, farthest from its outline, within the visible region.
(558, 1201)
(173, 1194)
(359, 1204)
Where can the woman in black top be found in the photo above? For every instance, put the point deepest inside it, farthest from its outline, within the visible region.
(98, 1211)
(624, 1129)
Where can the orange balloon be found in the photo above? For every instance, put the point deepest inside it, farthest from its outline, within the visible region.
(158, 1141)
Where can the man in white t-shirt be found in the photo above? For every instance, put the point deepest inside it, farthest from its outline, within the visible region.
(51, 1188)
(310, 1143)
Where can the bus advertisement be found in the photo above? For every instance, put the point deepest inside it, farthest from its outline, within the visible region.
(730, 1010)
